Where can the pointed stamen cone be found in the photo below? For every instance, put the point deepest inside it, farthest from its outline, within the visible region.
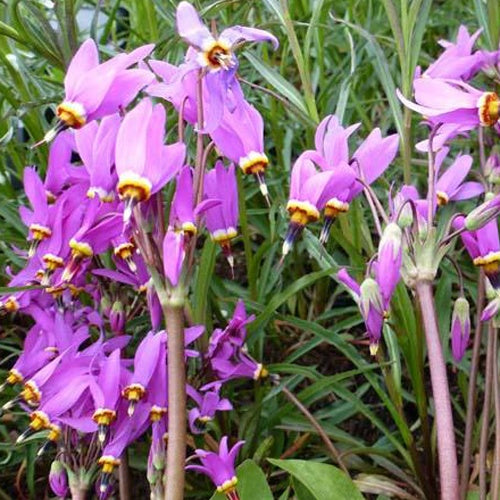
(131, 407)
(102, 431)
(45, 447)
(27, 433)
(130, 204)
(33, 247)
(325, 230)
(263, 187)
(9, 404)
(103, 487)
(51, 134)
(131, 264)
(293, 232)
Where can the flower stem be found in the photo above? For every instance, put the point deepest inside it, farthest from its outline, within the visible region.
(495, 485)
(124, 477)
(483, 441)
(448, 469)
(176, 446)
(471, 391)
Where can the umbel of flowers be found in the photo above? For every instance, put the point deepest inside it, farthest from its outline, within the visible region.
(91, 388)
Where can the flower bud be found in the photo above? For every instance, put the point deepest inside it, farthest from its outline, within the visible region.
(117, 318)
(105, 305)
(460, 328)
(58, 479)
(372, 310)
(389, 260)
(492, 168)
(484, 213)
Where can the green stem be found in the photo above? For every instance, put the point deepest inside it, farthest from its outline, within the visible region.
(483, 442)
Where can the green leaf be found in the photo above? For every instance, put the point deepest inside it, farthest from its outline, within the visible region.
(283, 86)
(282, 297)
(322, 480)
(252, 483)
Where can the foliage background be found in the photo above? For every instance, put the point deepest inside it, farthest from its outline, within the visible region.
(343, 57)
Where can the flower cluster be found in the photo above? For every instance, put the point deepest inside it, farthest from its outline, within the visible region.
(97, 239)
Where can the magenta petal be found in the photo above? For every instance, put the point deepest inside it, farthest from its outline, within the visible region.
(131, 141)
(123, 90)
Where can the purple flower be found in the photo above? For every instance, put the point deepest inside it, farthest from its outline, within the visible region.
(222, 219)
(215, 54)
(453, 101)
(125, 431)
(207, 404)
(94, 90)
(146, 359)
(460, 328)
(219, 467)
(458, 61)
(144, 165)
(450, 185)
(240, 138)
(483, 245)
(372, 309)
(310, 191)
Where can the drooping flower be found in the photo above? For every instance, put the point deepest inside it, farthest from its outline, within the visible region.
(240, 138)
(458, 61)
(369, 161)
(219, 467)
(143, 163)
(39, 219)
(215, 56)
(146, 358)
(106, 393)
(450, 185)
(94, 90)
(453, 101)
(310, 190)
(208, 403)
(222, 219)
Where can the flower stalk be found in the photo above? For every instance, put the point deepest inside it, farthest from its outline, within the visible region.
(448, 469)
(176, 446)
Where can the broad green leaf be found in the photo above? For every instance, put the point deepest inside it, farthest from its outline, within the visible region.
(252, 483)
(322, 480)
